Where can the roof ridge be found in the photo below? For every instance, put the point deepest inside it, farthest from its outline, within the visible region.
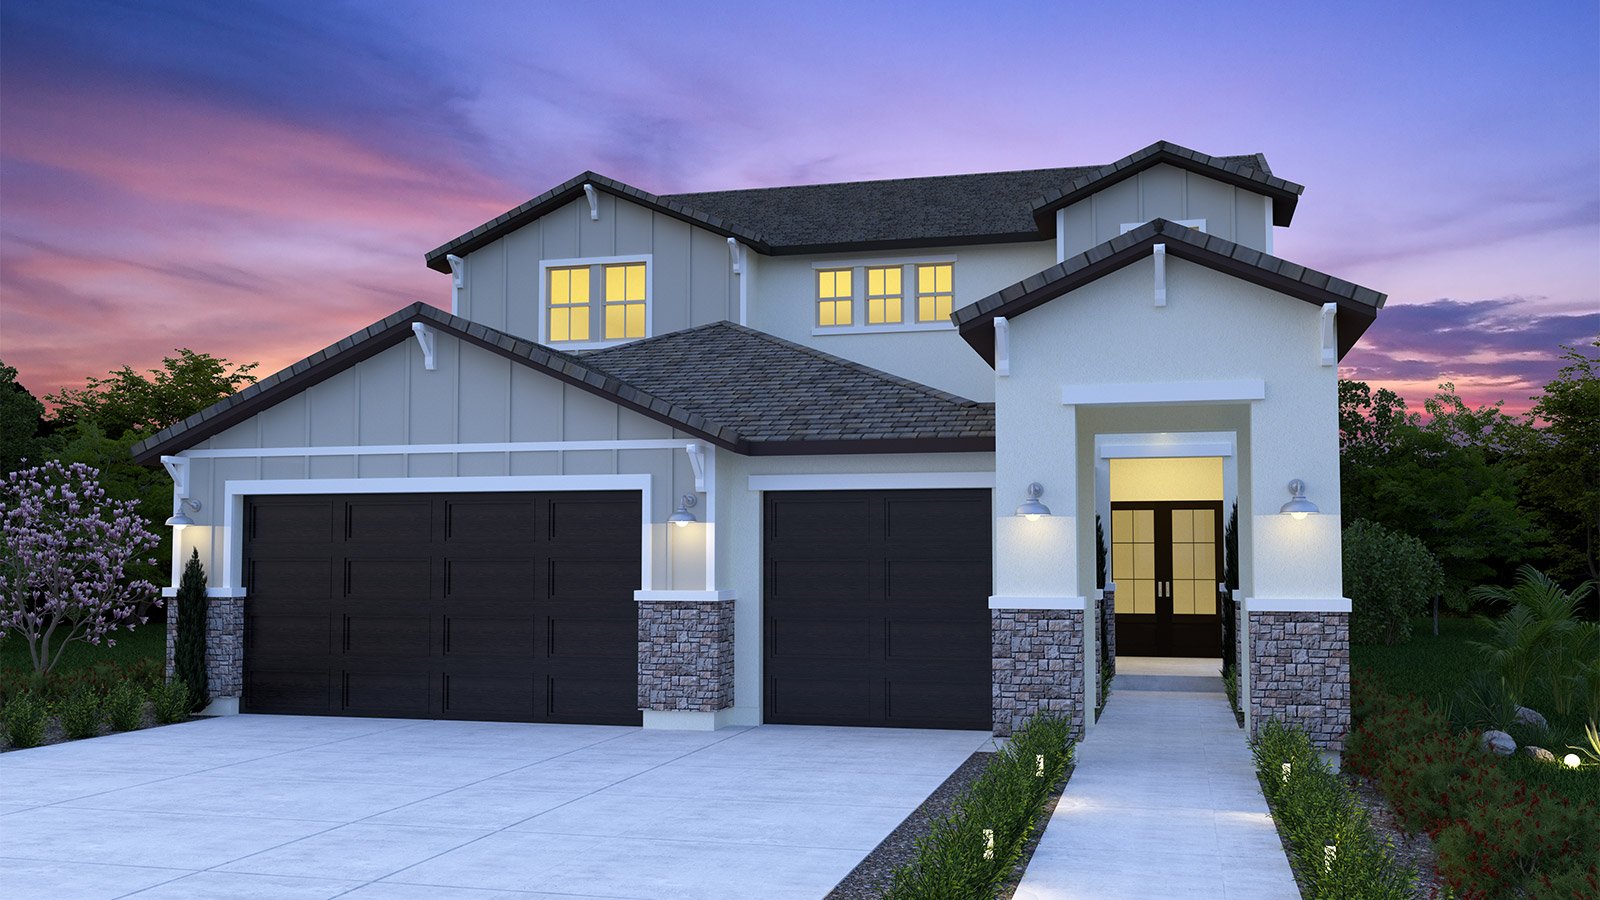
(819, 184)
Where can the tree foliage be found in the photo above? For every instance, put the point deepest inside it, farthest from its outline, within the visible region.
(1389, 578)
(125, 400)
(1561, 467)
(65, 553)
(20, 414)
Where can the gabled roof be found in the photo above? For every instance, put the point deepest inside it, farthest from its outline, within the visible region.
(892, 214)
(773, 392)
(1248, 172)
(732, 386)
(570, 190)
(1358, 306)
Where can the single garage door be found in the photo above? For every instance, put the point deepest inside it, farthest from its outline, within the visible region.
(450, 606)
(876, 608)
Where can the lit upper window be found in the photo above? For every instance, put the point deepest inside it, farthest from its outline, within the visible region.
(569, 304)
(835, 296)
(885, 297)
(625, 301)
(934, 293)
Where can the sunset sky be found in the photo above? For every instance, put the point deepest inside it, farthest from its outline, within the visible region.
(258, 179)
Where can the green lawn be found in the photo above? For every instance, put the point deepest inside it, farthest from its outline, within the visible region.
(146, 641)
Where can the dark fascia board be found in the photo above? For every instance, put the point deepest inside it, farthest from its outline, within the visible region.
(565, 193)
(1358, 306)
(396, 329)
(1285, 195)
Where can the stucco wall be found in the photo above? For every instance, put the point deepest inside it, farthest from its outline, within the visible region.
(691, 275)
(1172, 193)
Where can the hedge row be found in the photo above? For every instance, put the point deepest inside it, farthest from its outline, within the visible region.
(1332, 845)
(84, 711)
(971, 852)
(1495, 835)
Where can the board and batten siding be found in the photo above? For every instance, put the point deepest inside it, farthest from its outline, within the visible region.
(691, 273)
(1168, 192)
(474, 396)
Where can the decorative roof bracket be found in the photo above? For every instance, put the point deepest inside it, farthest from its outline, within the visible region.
(425, 339)
(697, 462)
(1330, 335)
(1160, 253)
(1002, 346)
(594, 202)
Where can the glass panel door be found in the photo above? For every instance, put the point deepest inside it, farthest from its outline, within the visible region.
(1165, 560)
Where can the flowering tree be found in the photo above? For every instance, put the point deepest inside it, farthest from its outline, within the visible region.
(65, 550)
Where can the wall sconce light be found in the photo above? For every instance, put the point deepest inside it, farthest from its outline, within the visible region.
(1031, 509)
(1298, 506)
(181, 519)
(681, 516)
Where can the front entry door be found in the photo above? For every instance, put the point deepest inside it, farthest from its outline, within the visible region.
(1166, 559)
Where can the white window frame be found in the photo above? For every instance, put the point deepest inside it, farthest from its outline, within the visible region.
(597, 298)
(1197, 224)
(858, 295)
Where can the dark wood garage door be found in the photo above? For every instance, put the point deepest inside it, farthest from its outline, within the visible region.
(451, 606)
(877, 608)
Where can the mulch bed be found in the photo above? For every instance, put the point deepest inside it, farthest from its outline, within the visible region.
(873, 875)
(1410, 850)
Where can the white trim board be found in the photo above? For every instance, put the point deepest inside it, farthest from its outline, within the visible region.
(234, 492)
(1066, 603)
(683, 596)
(874, 481)
(419, 449)
(1293, 604)
(1231, 391)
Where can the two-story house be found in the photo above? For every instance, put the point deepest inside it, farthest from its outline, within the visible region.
(845, 454)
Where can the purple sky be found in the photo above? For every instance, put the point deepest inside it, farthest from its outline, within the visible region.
(257, 180)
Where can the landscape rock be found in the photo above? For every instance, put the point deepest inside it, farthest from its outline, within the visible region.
(1531, 718)
(1539, 753)
(1498, 742)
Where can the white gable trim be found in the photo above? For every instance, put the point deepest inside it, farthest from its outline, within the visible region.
(884, 481)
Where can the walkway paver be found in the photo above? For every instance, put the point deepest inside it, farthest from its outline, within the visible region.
(1163, 803)
(278, 806)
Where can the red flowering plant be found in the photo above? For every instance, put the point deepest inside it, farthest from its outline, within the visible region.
(66, 549)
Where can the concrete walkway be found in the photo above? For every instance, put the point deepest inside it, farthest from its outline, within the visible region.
(1164, 802)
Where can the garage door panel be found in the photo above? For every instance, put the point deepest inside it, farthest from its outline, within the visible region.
(307, 691)
(493, 696)
(928, 580)
(489, 520)
(444, 605)
(389, 520)
(806, 699)
(377, 634)
(594, 698)
(290, 635)
(807, 637)
(935, 639)
(476, 580)
(308, 578)
(472, 636)
(387, 693)
(876, 608)
(819, 581)
(299, 520)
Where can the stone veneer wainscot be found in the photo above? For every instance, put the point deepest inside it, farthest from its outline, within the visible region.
(1038, 666)
(1300, 672)
(685, 655)
(224, 644)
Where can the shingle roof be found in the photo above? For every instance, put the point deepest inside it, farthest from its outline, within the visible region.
(767, 389)
(699, 381)
(1358, 306)
(983, 207)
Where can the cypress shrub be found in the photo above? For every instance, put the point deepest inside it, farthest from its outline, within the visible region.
(189, 656)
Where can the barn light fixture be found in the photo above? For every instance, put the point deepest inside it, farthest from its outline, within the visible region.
(180, 520)
(1031, 509)
(681, 516)
(1298, 506)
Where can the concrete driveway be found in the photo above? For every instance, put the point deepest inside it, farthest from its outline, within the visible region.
(279, 806)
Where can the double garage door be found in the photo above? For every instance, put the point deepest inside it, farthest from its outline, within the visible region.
(514, 606)
(876, 608)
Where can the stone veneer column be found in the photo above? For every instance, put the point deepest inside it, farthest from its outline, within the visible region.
(224, 645)
(1038, 666)
(1300, 672)
(1111, 629)
(685, 655)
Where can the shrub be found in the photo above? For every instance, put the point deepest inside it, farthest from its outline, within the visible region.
(171, 701)
(1539, 639)
(125, 706)
(23, 719)
(1316, 811)
(189, 652)
(970, 852)
(1389, 577)
(80, 714)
